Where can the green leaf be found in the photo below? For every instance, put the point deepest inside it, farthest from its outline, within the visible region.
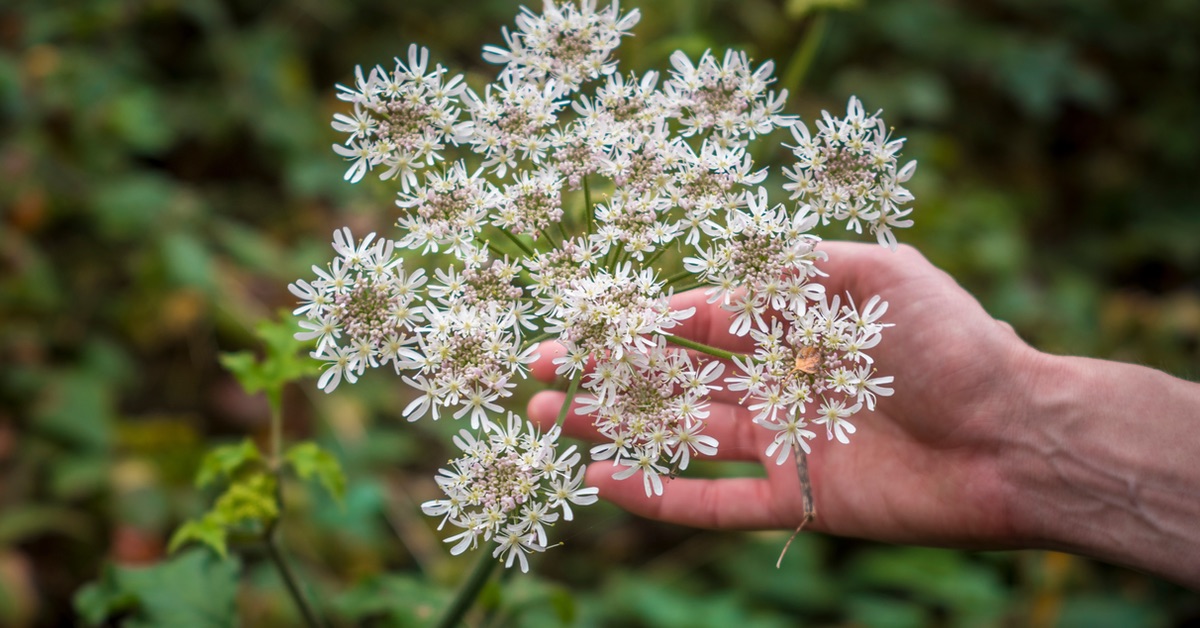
(99, 600)
(137, 116)
(227, 461)
(207, 530)
(283, 362)
(248, 500)
(310, 461)
(192, 590)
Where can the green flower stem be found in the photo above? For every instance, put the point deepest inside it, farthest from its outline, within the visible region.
(470, 589)
(653, 258)
(571, 392)
(623, 256)
(524, 247)
(497, 250)
(548, 234)
(588, 210)
(536, 339)
(289, 578)
(611, 258)
(275, 400)
(689, 286)
(703, 348)
(683, 274)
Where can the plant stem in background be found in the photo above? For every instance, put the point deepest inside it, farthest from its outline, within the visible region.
(275, 399)
(587, 206)
(797, 69)
(465, 598)
(289, 579)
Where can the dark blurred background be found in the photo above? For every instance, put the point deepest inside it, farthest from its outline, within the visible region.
(165, 171)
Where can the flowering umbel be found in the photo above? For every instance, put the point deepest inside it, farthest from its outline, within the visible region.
(563, 199)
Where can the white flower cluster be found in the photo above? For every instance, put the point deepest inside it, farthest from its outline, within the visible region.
(819, 356)
(848, 173)
(651, 407)
(360, 309)
(554, 196)
(506, 486)
(566, 45)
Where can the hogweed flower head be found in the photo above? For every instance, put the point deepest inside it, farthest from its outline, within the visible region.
(553, 203)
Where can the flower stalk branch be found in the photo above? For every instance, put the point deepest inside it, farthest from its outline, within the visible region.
(702, 348)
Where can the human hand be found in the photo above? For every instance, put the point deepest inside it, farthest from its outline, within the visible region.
(924, 467)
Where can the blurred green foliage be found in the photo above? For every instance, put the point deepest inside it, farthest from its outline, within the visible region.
(165, 171)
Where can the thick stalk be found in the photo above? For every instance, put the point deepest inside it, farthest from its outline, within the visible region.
(275, 401)
(470, 589)
(571, 392)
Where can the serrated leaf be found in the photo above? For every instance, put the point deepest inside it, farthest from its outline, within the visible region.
(207, 530)
(227, 461)
(310, 461)
(247, 500)
(284, 360)
(193, 590)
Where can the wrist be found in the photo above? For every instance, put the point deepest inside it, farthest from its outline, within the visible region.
(1099, 463)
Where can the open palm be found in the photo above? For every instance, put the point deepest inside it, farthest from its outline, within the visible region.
(920, 469)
